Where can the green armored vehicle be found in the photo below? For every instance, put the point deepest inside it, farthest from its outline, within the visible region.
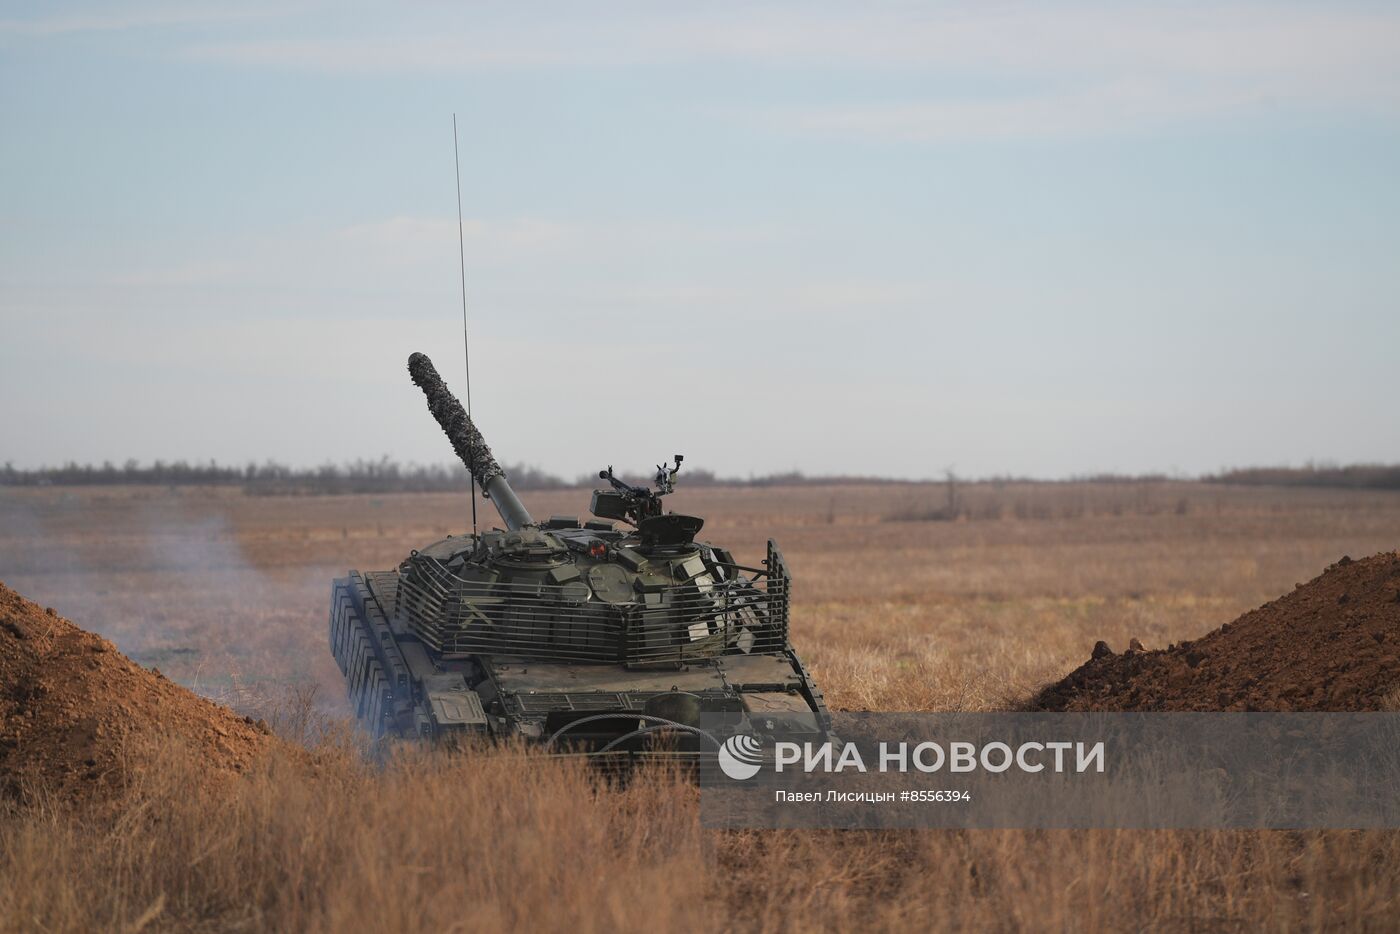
(578, 634)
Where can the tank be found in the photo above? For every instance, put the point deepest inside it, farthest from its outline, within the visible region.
(618, 633)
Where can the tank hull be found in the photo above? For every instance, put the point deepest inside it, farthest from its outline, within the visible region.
(399, 685)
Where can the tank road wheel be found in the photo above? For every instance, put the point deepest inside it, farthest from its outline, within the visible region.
(354, 621)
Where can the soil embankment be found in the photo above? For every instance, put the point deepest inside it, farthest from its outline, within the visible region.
(71, 706)
(1332, 644)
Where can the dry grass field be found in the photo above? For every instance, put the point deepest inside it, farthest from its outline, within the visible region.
(227, 594)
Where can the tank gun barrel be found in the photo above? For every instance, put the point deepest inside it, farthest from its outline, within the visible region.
(468, 442)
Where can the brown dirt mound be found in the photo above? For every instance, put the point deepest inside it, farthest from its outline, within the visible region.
(1332, 644)
(70, 705)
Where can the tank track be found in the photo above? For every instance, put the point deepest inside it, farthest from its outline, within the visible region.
(376, 676)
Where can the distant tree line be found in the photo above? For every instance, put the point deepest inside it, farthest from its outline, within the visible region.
(1351, 476)
(360, 476)
(272, 479)
(388, 476)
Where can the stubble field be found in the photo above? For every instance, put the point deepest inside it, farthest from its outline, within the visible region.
(227, 593)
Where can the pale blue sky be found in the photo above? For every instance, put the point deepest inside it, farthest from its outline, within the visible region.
(880, 238)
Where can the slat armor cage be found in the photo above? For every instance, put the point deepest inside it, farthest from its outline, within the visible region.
(683, 622)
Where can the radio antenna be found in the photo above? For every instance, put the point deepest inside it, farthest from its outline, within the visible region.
(462, 268)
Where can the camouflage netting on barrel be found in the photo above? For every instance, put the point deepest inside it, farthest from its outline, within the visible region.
(456, 424)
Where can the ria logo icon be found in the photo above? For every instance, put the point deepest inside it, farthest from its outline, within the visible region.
(741, 756)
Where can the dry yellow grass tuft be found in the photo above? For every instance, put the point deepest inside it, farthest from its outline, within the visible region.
(509, 841)
(426, 842)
